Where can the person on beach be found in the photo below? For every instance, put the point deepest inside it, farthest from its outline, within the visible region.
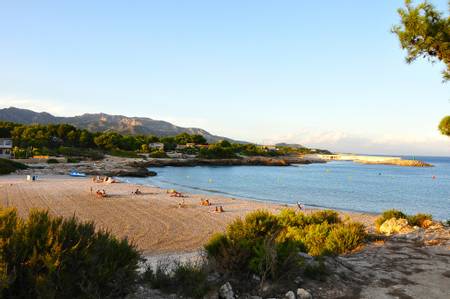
(300, 206)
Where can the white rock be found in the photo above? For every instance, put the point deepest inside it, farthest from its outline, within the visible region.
(394, 225)
(289, 295)
(303, 294)
(226, 291)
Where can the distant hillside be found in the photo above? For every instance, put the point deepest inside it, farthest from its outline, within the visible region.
(101, 122)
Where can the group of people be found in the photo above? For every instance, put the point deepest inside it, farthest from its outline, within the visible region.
(106, 179)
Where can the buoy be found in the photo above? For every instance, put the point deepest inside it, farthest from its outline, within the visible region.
(433, 177)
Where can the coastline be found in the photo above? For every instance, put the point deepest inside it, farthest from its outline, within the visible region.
(153, 220)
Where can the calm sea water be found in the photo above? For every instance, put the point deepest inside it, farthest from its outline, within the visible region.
(339, 185)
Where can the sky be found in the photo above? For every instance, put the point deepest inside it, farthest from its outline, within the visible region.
(326, 74)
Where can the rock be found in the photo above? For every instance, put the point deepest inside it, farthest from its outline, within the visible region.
(394, 225)
(303, 294)
(426, 223)
(289, 295)
(226, 291)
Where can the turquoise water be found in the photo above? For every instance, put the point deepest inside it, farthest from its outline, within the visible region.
(339, 185)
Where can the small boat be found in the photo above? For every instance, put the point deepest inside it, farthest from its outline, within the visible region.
(77, 174)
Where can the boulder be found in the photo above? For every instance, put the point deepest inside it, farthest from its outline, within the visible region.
(303, 294)
(289, 295)
(226, 291)
(394, 225)
(426, 223)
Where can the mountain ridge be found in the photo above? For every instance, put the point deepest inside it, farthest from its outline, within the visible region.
(101, 122)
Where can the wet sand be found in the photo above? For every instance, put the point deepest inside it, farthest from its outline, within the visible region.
(153, 220)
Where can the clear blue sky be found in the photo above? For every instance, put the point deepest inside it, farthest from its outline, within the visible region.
(322, 73)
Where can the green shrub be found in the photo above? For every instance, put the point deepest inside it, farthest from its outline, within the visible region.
(329, 216)
(315, 238)
(81, 152)
(72, 160)
(346, 237)
(418, 219)
(8, 166)
(123, 154)
(52, 161)
(187, 279)
(386, 215)
(267, 245)
(52, 257)
(158, 154)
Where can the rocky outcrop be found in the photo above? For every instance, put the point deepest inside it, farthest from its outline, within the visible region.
(254, 161)
(398, 162)
(394, 226)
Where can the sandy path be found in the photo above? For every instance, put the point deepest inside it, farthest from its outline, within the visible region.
(152, 220)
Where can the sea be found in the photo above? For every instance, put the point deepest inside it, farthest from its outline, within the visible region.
(342, 185)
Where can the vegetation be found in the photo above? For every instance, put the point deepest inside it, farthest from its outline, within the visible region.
(424, 32)
(444, 126)
(66, 140)
(268, 245)
(413, 220)
(187, 279)
(52, 161)
(52, 257)
(7, 166)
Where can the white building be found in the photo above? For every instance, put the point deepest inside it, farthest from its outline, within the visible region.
(5, 148)
(156, 145)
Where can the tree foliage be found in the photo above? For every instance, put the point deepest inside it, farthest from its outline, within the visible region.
(424, 32)
(444, 126)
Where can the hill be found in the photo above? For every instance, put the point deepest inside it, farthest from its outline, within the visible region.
(101, 122)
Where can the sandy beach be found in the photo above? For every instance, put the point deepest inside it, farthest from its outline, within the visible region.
(153, 219)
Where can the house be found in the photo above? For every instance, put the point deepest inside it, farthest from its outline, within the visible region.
(156, 145)
(270, 147)
(187, 145)
(5, 148)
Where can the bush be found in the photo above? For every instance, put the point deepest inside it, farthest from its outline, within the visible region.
(52, 161)
(158, 154)
(187, 279)
(81, 152)
(123, 154)
(52, 257)
(216, 151)
(72, 160)
(344, 238)
(419, 219)
(268, 245)
(8, 166)
(413, 220)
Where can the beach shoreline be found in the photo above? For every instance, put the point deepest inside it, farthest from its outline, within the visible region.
(153, 220)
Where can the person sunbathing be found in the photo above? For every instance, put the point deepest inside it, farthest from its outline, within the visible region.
(176, 194)
(137, 192)
(205, 202)
(101, 193)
